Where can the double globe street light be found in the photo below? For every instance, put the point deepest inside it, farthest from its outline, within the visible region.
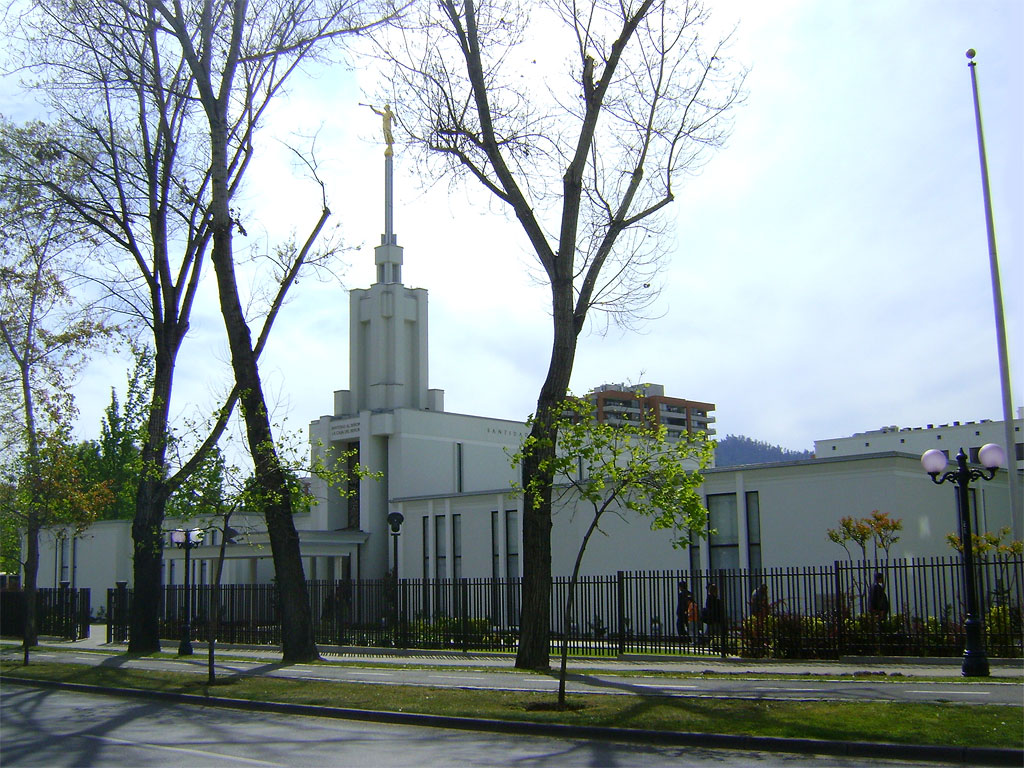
(992, 457)
(187, 540)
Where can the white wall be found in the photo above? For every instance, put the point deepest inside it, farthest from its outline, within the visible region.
(97, 559)
(423, 453)
(624, 543)
(800, 501)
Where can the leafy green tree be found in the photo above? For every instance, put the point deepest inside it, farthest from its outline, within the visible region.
(203, 492)
(216, 493)
(628, 470)
(45, 335)
(585, 153)
(116, 457)
(10, 536)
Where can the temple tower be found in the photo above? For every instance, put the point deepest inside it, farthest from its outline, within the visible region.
(387, 326)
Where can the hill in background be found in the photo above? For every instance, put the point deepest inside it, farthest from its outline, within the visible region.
(739, 449)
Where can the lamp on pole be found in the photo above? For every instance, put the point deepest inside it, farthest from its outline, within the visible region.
(186, 540)
(395, 520)
(991, 456)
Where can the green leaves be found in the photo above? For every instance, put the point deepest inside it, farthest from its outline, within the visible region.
(988, 543)
(48, 487)
(45, 336)
(626, 468)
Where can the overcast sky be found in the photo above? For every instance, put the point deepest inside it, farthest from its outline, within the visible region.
(830, 271)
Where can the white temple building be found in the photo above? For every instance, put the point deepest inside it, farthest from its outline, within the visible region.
(449, 478)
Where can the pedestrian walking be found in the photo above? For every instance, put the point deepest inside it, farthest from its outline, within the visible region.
(713, 617)
(878, 608)
(684, 603)
(878, 601)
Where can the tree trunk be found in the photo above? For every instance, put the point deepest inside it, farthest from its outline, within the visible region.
(151, 501)
(296, 619)
(535, 626)
(31, 588)
(535, 622)
(147, 597)
(297, 637)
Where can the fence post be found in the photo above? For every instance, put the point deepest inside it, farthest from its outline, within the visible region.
(723, 619)
(464, 612)
(840, 609)
(403, 588)
(84, 612)
(620, 596)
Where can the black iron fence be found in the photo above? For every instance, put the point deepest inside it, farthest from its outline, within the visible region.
(820, 612)
(60, 612)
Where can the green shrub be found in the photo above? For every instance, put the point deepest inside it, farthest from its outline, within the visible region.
(1003, 631)
(786, 636)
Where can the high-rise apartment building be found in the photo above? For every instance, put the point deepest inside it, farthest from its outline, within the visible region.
(622, 403)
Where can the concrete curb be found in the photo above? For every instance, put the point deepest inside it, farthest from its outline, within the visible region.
(930, 753)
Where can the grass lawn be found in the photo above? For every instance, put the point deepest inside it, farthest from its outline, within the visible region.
(908, 723)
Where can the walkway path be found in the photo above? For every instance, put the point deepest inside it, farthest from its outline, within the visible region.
(1000, 669)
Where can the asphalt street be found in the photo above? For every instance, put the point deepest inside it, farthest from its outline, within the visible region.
(129, 731)
(51, 728)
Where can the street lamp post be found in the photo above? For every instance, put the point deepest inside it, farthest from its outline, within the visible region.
(186, 540)
(395, 520)
(991, 456)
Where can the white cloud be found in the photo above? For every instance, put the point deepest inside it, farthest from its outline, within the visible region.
(830, 273)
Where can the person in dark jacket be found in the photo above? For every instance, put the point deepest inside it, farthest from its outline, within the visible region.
(878, 608)
(714, 618)
(878, 601)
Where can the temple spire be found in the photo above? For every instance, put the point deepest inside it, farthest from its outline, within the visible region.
(388, 255)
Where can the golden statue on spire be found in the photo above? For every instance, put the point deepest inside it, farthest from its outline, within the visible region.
(386, 117)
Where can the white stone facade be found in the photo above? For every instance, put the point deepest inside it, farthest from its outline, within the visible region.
(449, 476)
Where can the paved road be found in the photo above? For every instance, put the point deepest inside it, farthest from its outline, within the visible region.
(1003, 691)
(55, 729)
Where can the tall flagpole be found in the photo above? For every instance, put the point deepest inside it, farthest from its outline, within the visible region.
(997, 300)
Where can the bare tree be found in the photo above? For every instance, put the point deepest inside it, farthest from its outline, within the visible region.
(584, 151)
(126, 108)
(240, 55)
(168, 97)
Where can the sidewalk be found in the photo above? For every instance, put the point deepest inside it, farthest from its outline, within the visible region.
(1001, 669)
